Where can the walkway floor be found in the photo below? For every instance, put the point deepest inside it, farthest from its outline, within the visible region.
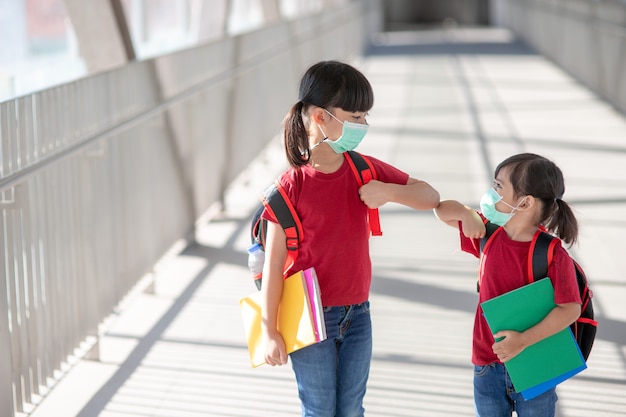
(449, 106)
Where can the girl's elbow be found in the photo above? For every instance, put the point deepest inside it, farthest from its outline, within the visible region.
(573, 311)
(434, 199)
(429, 202)
(426, 197)
(576, 311)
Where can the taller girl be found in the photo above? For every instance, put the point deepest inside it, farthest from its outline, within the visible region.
(328, 120)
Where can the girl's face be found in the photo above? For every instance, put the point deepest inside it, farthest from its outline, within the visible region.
(334, 126)
(503, 186)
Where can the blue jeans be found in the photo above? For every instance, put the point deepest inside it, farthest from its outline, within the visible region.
(332, 375)
(494, 395)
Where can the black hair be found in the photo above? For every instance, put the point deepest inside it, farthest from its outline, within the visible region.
(532, 174)
(325, 84)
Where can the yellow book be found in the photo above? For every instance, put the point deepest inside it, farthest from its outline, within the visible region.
(296, 322)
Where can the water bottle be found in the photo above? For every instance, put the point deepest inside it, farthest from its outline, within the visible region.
(256, 258)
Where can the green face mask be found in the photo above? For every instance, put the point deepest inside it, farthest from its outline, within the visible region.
(352, 135)
(488, 208)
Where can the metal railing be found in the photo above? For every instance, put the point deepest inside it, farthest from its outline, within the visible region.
(99, 177)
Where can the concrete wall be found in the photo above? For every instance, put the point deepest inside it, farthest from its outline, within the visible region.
(586, 38)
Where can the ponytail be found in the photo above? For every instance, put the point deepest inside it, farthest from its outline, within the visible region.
(296, 139)
(532, 174)
(562, 222)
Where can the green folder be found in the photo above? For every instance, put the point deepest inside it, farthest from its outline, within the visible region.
(546, 363)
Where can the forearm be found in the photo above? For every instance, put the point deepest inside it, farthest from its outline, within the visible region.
(559, 318)
(416, 194)
(272, 287)
(511, 343)
(271, 292)
(451, 212)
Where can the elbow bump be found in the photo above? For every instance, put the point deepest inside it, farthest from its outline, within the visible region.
(436, 200)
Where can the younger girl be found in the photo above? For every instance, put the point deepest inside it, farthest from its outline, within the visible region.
(328, 120)
(527, 194)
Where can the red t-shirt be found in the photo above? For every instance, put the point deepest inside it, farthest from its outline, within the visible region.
(334, 223)
(504, 269)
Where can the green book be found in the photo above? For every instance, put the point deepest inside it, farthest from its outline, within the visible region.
(546, 363)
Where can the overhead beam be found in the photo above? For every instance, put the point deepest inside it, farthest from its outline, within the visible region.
(100, 43)
(124, 31)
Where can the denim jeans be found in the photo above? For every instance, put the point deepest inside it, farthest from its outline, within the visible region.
(494, 395)
(332, 375)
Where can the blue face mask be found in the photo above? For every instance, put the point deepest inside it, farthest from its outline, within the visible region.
(352, 135)
(488, 208)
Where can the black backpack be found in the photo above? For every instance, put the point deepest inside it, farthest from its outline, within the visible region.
(541, 253)
(276, 201)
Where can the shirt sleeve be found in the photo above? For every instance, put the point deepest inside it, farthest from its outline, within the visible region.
(388, 173)
(286, 180)
(267, 215)
(470, 245)
(563, 275)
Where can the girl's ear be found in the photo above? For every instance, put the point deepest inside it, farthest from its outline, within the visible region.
(318, 116)
(529, 202)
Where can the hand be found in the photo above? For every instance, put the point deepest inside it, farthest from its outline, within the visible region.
(510, 346)
(473, 226)
(275, 352)
(373, 194)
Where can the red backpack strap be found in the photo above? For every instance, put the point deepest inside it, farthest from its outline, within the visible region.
(277, 202)
(540, 255)
(364, 172)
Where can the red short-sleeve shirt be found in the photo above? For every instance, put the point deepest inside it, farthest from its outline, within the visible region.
(336, 233)
(504, 269)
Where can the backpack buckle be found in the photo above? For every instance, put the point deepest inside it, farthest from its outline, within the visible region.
(292, 243)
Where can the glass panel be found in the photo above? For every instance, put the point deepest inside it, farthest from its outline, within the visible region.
(295, 8)
(39, 47)
(245, 15)
(210, 19)
(162, 26)
(158, 26)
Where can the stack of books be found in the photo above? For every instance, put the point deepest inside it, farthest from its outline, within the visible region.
(300, 316)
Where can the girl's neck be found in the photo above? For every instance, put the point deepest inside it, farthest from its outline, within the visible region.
(325, 160)
(524, 223)
(520, 232)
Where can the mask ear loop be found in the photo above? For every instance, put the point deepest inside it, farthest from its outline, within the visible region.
(321, 141)
(501, 200)
(333, 116)
(318, 143)
(517, 207)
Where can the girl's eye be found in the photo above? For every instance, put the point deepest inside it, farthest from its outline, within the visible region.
(497, 185)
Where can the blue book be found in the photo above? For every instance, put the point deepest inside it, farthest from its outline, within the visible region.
(548, 362)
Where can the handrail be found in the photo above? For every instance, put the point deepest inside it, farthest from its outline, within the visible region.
(80, 229)
(90, 140)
